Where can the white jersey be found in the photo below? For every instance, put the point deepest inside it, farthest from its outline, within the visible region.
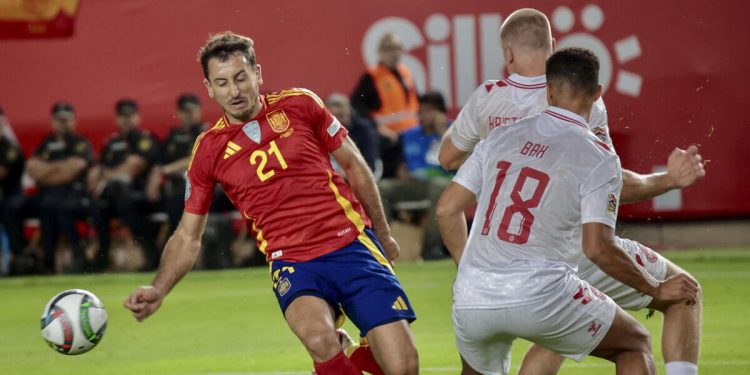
(500, 103)
(537, 181)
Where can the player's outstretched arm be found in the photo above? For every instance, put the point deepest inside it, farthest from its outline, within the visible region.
(684, 168)
(178, 258)
(599, 245)
(452, 220)
(450, 156)
(364, 188)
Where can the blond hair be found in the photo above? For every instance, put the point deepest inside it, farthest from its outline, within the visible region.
(528, 28)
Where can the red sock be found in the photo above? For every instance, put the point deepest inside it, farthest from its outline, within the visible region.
(363, 358)
(338, 365)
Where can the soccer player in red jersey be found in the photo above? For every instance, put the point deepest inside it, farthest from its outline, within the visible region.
(327, 240)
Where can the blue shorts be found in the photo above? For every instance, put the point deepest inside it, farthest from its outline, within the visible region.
(356, 279)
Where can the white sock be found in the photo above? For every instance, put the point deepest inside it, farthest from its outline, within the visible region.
(681, 368)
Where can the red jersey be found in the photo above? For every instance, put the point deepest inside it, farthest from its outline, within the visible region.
(276, 170)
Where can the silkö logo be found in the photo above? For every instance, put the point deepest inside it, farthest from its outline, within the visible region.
(464, 50)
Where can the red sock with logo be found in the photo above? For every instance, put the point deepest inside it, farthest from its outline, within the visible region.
(363, 358)
(338, 365)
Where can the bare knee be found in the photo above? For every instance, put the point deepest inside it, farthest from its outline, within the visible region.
(697, 306)
(407, 364)
(672, 270)
(321, 346)
(699, 295)
(641, 339)
(393, 348)
(681, 310)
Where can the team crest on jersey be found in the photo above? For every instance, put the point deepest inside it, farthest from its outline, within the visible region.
(648, 253)
(278, 120)
(612, 204)
(594, 327)
(252, 131)
(601, 133)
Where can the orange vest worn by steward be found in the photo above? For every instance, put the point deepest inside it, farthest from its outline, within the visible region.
(398, 109)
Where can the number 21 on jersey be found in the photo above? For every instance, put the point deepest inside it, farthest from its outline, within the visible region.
(519, 206)
(260, 157)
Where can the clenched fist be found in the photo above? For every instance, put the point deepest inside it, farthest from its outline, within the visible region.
(143, 302)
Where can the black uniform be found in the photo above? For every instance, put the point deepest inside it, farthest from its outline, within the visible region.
(178, 145)
(58, 207)
(11, 158)
(218, 235)
(127, 199)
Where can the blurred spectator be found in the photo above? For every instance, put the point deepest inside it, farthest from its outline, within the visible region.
(420, 146)
(11, 170)
(11, 162)
(177, 150)
(386, 93)
(424, 180)
(58, 166)
(361, 129)
(7, 131)
(124, 185)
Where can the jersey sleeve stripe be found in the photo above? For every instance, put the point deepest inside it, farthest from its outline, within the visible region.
(220, 124)
(195, 148)
(273, 98)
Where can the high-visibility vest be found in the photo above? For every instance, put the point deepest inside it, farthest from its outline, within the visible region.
(398, 109)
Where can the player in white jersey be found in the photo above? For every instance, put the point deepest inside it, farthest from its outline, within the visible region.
(498, 103)
(546, 188)
(527, 42)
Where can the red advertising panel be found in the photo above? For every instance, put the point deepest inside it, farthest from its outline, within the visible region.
(673, 70)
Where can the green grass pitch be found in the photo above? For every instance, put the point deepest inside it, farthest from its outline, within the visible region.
(228, 322)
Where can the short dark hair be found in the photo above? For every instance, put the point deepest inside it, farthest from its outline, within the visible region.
(126, 105)
(435, 99)
(187, 98)
(223, 45)
(62, 107)
(576, 67)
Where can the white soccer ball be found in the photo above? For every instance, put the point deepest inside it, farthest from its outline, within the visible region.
(73, 321)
